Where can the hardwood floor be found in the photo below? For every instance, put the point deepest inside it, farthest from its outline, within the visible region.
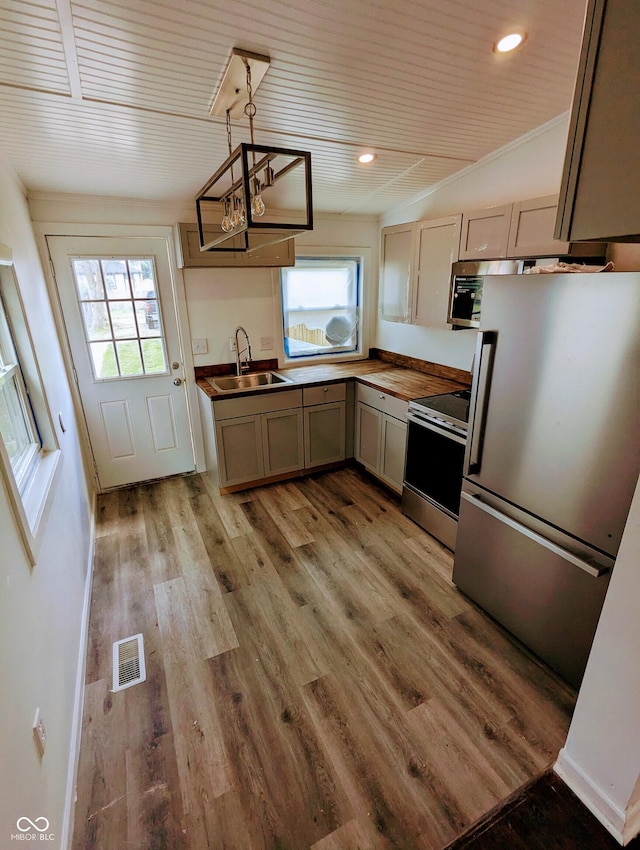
(314, 680)
(546, 815)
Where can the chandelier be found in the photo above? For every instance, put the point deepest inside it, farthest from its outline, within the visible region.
(260, 195)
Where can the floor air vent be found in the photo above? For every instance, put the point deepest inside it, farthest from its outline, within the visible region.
(128, 663)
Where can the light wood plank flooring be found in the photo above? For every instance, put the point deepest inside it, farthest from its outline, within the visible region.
(314, 680)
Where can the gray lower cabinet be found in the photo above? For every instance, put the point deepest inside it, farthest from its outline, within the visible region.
(258, 436)
(282, 443)
(381, 432)
(240, 455)
(324, 424)
(392, 449)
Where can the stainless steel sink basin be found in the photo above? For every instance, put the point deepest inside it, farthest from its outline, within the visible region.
(250, 381)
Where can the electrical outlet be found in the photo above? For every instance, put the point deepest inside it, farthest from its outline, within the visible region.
(199, 346)
(232, 343)
(266, 343)
(39, 732)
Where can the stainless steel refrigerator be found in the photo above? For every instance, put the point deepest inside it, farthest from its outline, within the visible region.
(552, 457)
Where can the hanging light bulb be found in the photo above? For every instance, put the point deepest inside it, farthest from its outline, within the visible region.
(257, 204)
(227, 224)
(238, 217)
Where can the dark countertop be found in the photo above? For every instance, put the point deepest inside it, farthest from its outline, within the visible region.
(400, 382)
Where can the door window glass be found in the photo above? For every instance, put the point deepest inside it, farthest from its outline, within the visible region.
(121, 316)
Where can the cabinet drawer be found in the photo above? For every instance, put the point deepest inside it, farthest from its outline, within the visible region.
(383, 401)
(324, 394)
(228, 408)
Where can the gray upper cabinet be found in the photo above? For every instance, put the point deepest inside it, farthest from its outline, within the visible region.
(397, 250)
(190, 256)
(531, 229)
(485, 233)
(437, 247)
(601, 178)
(415, 270)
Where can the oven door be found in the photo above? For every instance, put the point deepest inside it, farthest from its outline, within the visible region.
(434, 463)
(433, 477)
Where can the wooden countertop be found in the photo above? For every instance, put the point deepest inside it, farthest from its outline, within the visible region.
(400, 382)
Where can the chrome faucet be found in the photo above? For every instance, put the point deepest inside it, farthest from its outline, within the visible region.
(240, 366)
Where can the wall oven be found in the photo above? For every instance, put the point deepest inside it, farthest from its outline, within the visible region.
(436, 440)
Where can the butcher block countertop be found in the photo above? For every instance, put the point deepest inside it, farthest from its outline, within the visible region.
(394, 376)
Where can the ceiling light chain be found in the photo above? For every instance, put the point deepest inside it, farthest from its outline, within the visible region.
(227, 224)
(257, 204)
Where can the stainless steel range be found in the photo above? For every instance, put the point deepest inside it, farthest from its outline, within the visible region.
(436, 440)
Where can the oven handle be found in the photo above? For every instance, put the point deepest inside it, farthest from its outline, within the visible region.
(483, 360)
(431, 426)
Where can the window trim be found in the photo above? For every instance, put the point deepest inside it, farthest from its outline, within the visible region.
(32, 500)
(363, 255)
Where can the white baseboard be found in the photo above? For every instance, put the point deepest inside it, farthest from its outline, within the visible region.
(78, 702)
(618, 821)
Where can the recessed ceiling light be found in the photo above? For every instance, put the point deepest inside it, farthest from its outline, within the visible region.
(509, 42)
(365, 158)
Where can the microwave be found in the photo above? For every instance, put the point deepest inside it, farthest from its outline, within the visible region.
(467, 278)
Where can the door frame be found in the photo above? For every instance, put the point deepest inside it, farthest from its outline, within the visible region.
(165, 233)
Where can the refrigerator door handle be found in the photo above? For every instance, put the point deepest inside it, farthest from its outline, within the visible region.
(591, 569)
(483, 361)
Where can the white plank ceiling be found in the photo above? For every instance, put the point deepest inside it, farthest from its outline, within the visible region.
(112, 97)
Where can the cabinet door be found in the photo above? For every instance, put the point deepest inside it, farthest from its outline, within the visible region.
(239, 448)
(396, 272)
(485, 234)
(438, 245)
(279, 254)
(368, 421)
(392, 451)
(282, 442)
(531, 230)
(601, 179)
(324, 434)
(190, 255)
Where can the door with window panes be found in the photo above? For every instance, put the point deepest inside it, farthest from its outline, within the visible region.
(119, 310)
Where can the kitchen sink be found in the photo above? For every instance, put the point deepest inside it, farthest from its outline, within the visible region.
(250, 381)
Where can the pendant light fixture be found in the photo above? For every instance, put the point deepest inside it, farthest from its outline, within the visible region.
(260, 195)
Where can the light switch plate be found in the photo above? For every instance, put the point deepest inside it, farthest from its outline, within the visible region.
(199, 346)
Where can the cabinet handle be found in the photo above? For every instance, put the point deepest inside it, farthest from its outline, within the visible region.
(325, 389)
(381, 396)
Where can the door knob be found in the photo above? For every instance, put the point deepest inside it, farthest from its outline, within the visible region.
(177, 382)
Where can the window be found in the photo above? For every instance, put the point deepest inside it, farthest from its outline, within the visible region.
(17, 425)
(119, 308)
(29, 453)
(321, 306)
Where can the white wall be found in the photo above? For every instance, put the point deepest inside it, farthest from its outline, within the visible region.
(218, 300)
(601, 758)
(530, 167)
(40, 607)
